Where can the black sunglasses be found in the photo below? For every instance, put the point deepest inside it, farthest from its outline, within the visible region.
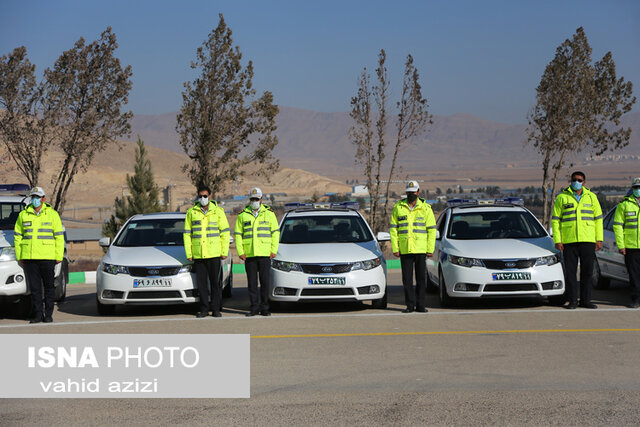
(577, 180)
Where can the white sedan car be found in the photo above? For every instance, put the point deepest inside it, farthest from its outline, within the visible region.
(493, 249)
(328, 253)
(146, 264)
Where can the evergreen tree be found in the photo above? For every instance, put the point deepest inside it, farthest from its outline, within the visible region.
(143, 194)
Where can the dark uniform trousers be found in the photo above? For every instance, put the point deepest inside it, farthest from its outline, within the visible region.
(415, 299)
(632, 261)
(39, 274)
(586, 253)
(258, 266)
(208, 268)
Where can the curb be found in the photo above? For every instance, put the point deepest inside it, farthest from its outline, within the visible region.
(90, 276)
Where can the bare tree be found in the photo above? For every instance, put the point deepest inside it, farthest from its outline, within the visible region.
(371, 153)
(222, 127)
(25, 126)
(87, 88)
(579, 106)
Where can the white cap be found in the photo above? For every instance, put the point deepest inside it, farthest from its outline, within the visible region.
(412, 187)
(37, 191)
(635, 182)
(255, 193)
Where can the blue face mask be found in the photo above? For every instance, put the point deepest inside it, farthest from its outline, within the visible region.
(636, 192)
(577, 186)
(36, 202)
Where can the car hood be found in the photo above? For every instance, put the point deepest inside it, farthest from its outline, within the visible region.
(154, 256)
(321, 253)
(6, 238)
(501, 248)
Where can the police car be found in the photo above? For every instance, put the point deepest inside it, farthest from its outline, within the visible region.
(13, 284)
(146, 265)
(493, 248)
(328, 252)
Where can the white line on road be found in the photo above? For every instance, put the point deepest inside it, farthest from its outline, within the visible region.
(298, 316)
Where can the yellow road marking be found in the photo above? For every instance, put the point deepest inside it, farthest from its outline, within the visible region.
(383, 334)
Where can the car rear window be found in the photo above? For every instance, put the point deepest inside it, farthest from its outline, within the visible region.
(324, 229)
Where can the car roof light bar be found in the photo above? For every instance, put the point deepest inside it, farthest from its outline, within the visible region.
(313, 206)
(507, 201)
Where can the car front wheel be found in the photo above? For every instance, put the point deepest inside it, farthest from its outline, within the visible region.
(380, 304)
(597, 280)
(104, 309)
(445, 299)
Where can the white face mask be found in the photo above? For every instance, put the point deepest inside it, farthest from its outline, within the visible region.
(255, 205)
(204, 201)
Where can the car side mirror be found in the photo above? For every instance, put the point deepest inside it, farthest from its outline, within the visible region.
(438, 235)
(383, 236)
(105, 242)
(231, 239)
(551, 231)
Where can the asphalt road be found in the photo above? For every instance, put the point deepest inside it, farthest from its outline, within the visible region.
(507, 362)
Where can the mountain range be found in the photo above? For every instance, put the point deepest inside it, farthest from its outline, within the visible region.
(318, 142)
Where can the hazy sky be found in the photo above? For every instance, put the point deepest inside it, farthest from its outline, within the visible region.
(478, 57)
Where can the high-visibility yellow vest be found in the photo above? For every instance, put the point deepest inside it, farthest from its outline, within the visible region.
(39, 236)
(413, 231)
(257, 235)
(576, 221)
(625, 223)
(206, 234)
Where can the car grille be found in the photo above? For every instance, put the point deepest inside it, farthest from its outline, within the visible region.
(326, 292)
(499, 264)
(510, 287)
(325, 268)
(151, 271)
(153, 294)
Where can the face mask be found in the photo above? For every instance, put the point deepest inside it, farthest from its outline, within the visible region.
(412, 197)
(255, 205)
(36, 202)
(577, 186)
(636, 192)
(204, 201)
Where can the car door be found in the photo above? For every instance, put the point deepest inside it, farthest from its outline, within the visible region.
(434, 261)
(611, 261)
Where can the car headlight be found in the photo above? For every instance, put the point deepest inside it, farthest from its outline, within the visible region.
(115, 269)
(8, 253)
(465, 262)
(285, 265)
(548, 260)
(185, 268)
(366, 265)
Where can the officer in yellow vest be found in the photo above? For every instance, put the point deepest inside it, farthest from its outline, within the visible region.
(39, 243)
(625, 227)
(413, 239)
(577, 232)
(257, 237)
(206, 243)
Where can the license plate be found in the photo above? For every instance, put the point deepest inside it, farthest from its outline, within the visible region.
(327, 280)
(511, 276)
(151, 283)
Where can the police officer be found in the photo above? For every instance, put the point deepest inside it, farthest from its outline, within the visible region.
(39, 243)
(413, 239)
(206, 242)
(625, 227)
(577, 232)
(257, 237)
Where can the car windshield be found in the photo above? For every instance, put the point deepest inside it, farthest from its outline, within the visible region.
(152, 232)
(324, 229)
(494, 225)
(9, 212)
